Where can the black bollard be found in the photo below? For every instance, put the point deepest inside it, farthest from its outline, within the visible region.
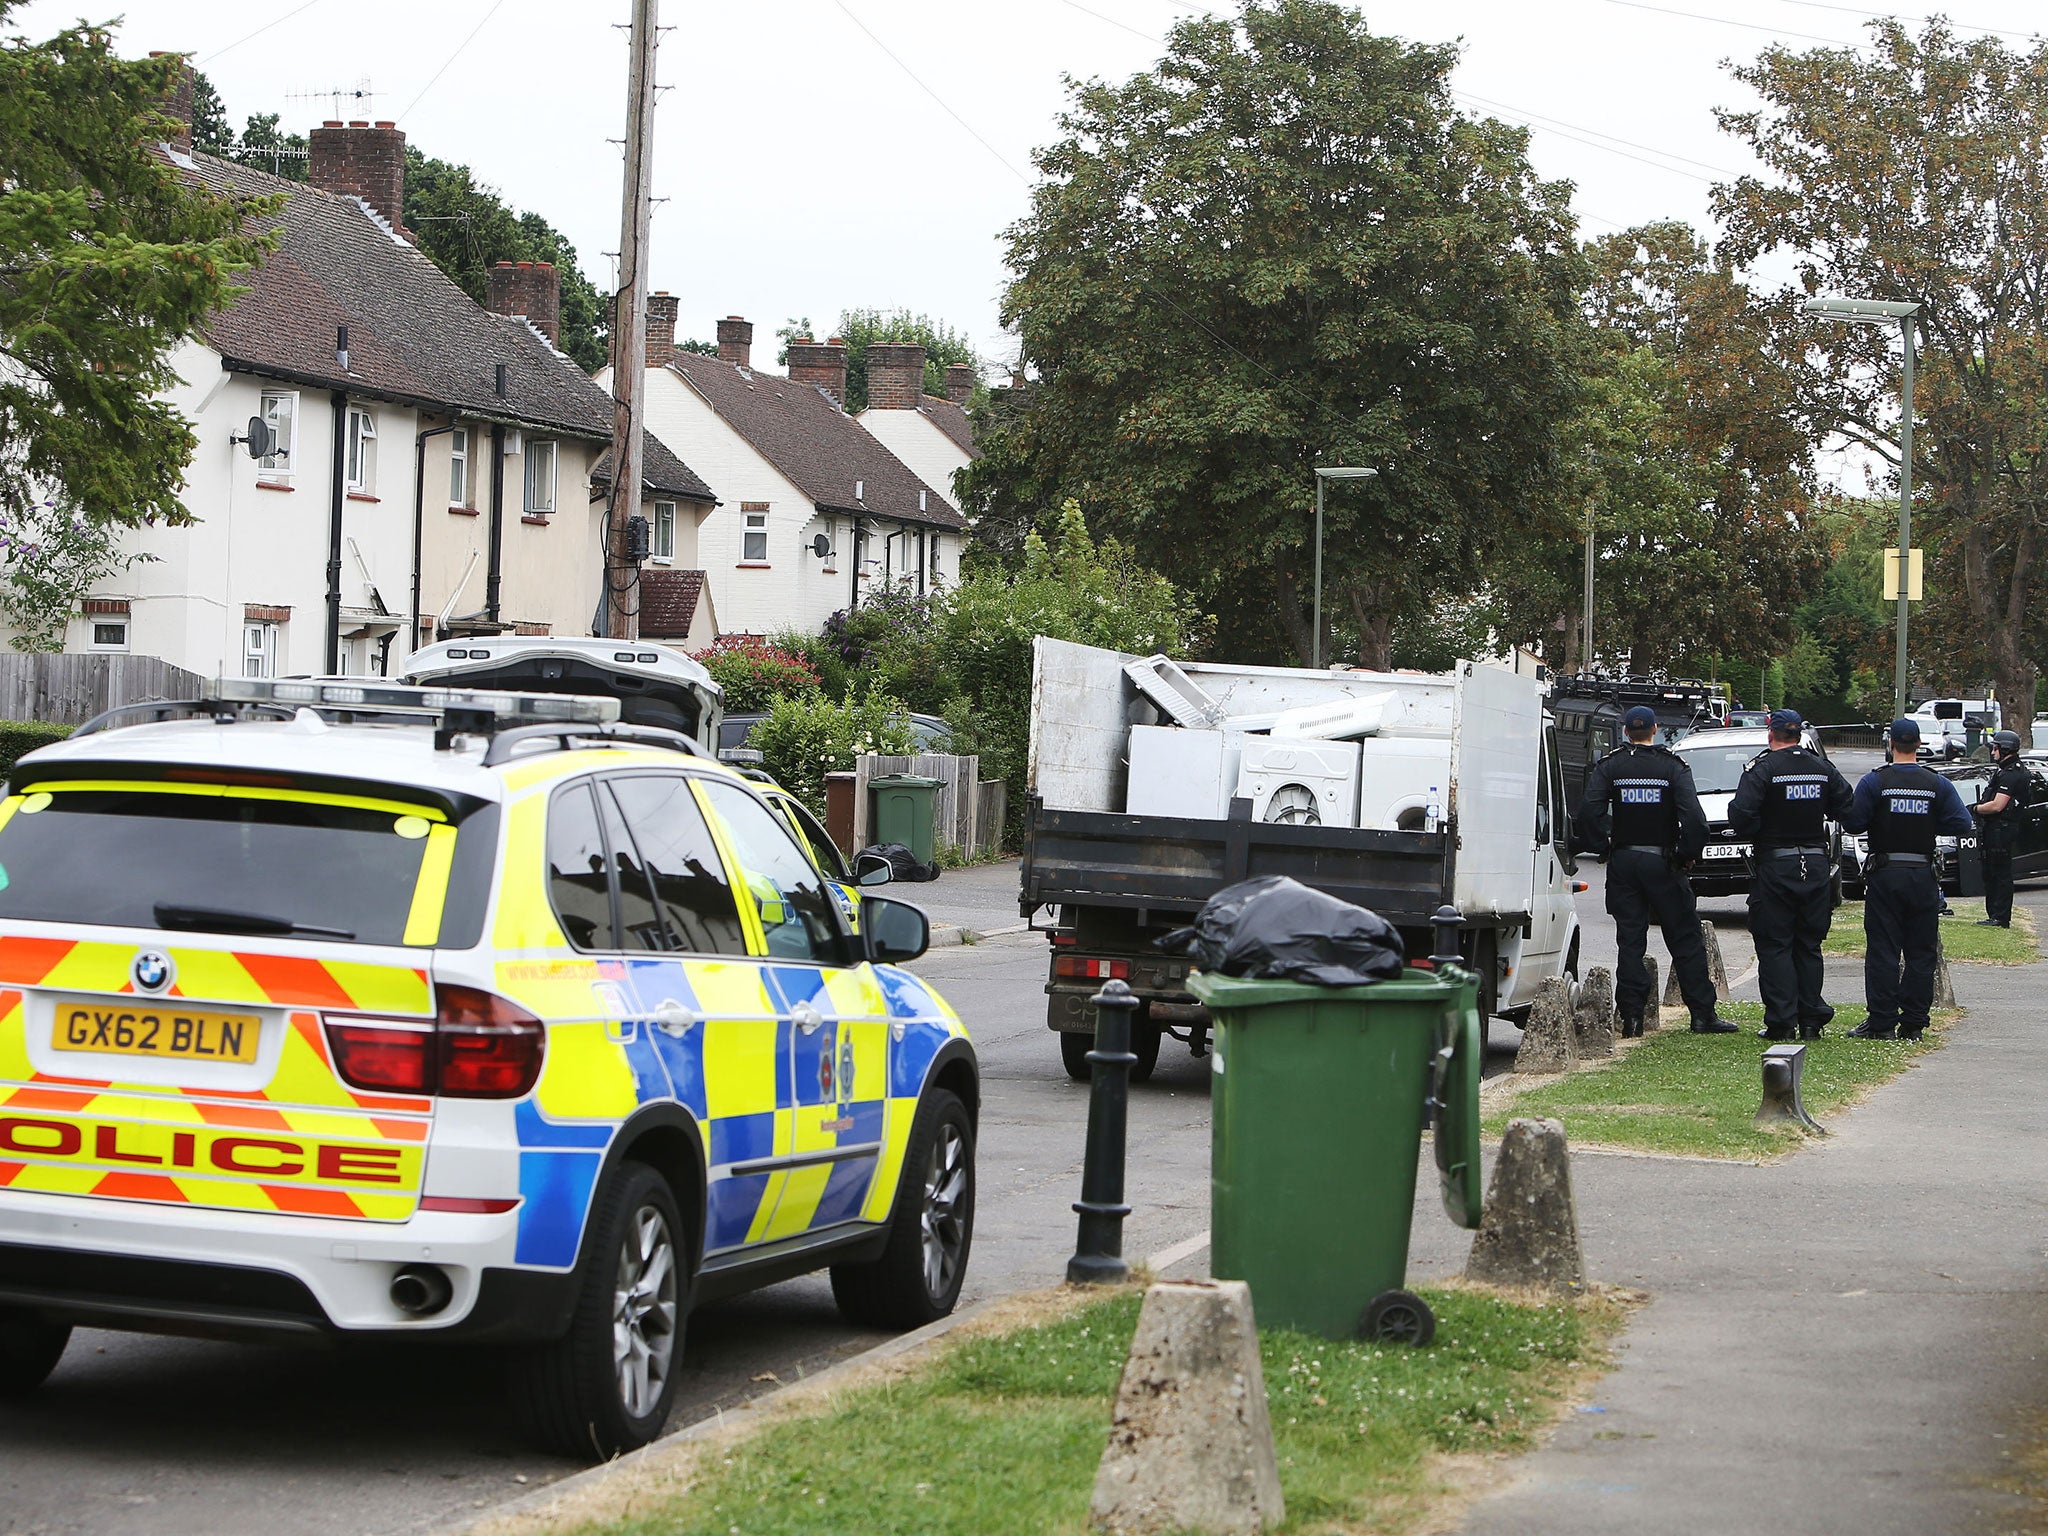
(1447, 922)
(1098, 1251)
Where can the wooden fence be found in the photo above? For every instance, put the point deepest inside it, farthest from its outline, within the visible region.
(961, 816)
(71, 689)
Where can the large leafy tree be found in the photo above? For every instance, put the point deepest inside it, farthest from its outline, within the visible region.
(1919, 172)
(1283, 246)
(108, 259)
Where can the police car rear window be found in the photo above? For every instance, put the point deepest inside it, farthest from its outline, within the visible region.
(211, 863)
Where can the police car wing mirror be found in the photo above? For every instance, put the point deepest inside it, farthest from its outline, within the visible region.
(872, 869)
(894, 931)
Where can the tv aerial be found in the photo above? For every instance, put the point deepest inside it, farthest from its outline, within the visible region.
(343, 101)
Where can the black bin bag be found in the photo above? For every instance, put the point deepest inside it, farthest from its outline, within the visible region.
(1277, 929)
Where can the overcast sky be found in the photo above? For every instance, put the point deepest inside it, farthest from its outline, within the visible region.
(804, 169)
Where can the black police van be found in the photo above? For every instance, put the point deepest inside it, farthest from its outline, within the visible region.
(1588, 710)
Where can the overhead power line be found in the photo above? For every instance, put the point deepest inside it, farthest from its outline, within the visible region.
(445, 63)
(276, 21)
(1851, 10)
(1001, 159)
(1747, 26)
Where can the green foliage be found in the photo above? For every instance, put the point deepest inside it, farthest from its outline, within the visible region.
(108, 259)
(50, 557)
(807, 736)
(820, 655)
(1282, 247)
(862, 328)
(18, 738)
(755, 673)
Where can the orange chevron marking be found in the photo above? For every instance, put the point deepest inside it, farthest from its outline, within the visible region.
(25, 962)
(46, 1098)
(295, 983)
(249, 1118)
(297, 1200)
(9, 1170)
(73, 1082)
(140, 1186)
(401, 1130)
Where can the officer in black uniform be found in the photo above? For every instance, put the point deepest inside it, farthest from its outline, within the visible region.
(1999, 814)
(1783, 805)
(1641, 810)
(1903, 807)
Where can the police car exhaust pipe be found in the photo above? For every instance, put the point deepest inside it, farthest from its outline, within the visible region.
(421, 1290)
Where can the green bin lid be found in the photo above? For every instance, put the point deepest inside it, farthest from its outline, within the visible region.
(904, 781)
(1415, 986)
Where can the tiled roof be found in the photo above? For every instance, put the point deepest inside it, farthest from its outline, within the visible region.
(668, 603)
(660, 471)
(412, 334)
(822, 450)
(952, 420)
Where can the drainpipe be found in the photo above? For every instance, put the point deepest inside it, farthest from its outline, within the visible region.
(494, 569)
(419, 513)
(340, 477)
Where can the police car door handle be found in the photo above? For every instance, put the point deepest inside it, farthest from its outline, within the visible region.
(806, 1018)
(673, 1018)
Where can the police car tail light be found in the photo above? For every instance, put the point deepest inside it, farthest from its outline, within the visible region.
(1094, 970)
(490, 1048)
(383, 1055)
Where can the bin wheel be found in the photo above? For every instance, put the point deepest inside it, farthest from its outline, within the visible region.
(1398, 1317)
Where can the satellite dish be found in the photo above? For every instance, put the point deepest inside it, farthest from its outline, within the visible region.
(821, 546)
(262, 438)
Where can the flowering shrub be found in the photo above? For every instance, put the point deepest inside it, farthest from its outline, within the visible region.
(755, 673)
(50, 557)
(805, 738)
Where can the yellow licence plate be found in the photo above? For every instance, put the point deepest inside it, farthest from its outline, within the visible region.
(156, 1029)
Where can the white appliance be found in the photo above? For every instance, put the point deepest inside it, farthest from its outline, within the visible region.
(1396, 778)
(1178, 697)
(1290, 780)
(1178, 772)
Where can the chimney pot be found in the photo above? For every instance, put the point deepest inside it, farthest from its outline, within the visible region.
(386, 123)
(736, 341)
(895, 376)
(819, 363)
(527, 288)
(332, 122)
(361, 161)
(662, 308)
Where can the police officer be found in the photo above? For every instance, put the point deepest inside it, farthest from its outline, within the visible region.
(1999, 814)
(1783, 804)
(1903, 807)
(1641, 810)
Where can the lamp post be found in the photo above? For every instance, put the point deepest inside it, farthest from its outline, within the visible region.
(1885, 312)
(1315, 644)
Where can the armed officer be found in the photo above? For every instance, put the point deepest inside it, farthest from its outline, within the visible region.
(1999, 814)
(1783, 805)
(1641, 810)
(1903, 807)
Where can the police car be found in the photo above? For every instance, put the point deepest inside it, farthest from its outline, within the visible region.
(340, 1009)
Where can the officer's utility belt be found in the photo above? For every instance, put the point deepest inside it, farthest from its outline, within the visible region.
(1643, 848)
(1879, 861)
(1797, 853)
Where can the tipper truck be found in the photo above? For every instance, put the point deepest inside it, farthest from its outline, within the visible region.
(1153, 785)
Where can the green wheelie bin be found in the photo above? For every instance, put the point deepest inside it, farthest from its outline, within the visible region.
(1319, 1097)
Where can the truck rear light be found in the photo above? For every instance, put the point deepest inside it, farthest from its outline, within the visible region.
(1093, 970)
(1061, 939)
(479, 1046)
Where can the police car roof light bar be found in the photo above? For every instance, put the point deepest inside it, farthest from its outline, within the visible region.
(468, 711)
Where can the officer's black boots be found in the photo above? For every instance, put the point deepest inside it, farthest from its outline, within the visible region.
(1868, 1031)
(1714, 1026)
(1810, 1031)
(1631, 1029)
(1991, 922)
(1775, 1032)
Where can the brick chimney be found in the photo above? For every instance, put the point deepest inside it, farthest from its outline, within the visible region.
(736, 341)
(177, 102)
(822, 363)
(365, 160)
(960, 383)
(661, 327)
(895, 376)
(529, 288)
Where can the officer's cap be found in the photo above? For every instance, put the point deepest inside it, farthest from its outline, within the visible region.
(1905, 732)
(1785, 721)
(1639, 718)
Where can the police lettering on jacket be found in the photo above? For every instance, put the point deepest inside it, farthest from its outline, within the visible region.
(1787, 797)
(1904, 820)
(1641, 796)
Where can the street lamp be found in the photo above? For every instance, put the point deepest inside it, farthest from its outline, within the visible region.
(1322, 474)
(1884, 312)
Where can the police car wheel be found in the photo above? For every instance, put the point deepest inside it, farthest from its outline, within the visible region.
(607, 1385)
(29, 1350)
(931, 1227)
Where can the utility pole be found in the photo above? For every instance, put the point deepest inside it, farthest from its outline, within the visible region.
(629, 331)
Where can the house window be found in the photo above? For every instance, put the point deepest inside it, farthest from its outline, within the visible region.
(938, 539)
(754, 537)
(362, 451)
(663, 546)
(259, 650)
(281, 412)
(458, 467)
(110, 634)
(540, 479)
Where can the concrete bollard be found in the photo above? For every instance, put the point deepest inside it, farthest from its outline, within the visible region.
(1944, 984)
(1530, 1233)
(1190, 1445)
(1549, 1043)
(1653, 1017)
(1717, 969)
(1593, 1013)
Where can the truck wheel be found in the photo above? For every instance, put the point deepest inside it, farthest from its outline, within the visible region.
(606, 1386)
(1144, 1045)
(29, 1350)
(1074, 1049)
(931, 1226)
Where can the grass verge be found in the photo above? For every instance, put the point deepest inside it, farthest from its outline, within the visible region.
(1675, 1091)
(1001, 1434)
(1961, 939)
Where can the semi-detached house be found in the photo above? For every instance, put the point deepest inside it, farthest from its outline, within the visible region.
(432, 465)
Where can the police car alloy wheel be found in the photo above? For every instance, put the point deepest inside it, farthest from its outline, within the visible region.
(931, 1227)
(644, 1310)
(945, 1209)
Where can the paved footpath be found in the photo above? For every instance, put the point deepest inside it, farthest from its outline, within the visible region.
(1854, 1340)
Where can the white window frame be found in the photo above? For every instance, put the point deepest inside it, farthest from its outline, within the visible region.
(95, 622)
(361, 463)
(458, 468)
(754, 538)
(259, 648)
(661, 535)
(937, 542)
(539, 452)
(277, 467)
